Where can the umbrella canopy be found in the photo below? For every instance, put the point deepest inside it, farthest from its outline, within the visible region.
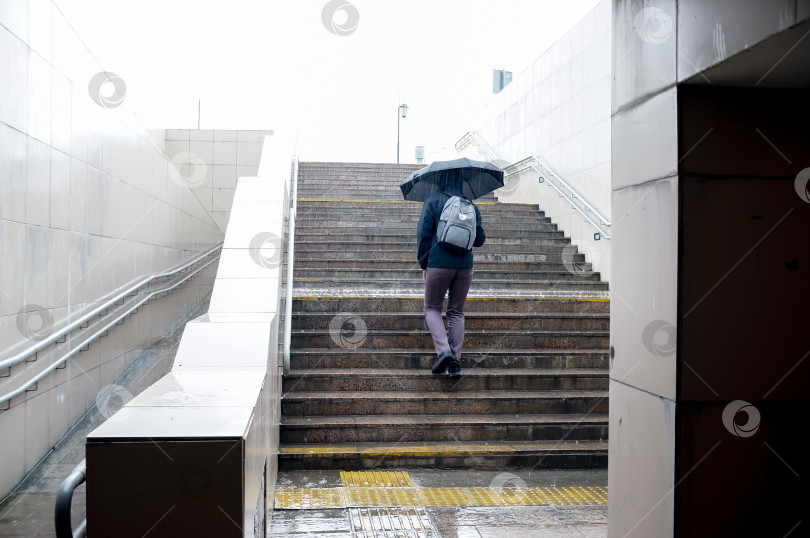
(471, 179)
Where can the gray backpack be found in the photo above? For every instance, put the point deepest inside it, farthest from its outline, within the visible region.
(457, 224)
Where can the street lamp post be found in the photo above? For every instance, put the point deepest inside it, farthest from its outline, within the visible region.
(402, 111)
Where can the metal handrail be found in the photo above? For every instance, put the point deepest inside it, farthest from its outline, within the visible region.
(535, 163)
(552, 173)
(290, 257)
(64, 499)
(130, 288)
(480, 144)
(55, 364)
(532, 163)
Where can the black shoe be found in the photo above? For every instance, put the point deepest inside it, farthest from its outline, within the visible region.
(454, 370)
(442, 361)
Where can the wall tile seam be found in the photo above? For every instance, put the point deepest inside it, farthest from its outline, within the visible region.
(67, 230)
(67, 317)
(134, 186)
(493, 123)
(700, 175)
(149, 139)
(654, 395)
(642, 99)
(647, 182)
(127, 240)
(26, 396)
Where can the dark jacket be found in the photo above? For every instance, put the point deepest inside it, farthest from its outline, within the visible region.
(431, 254)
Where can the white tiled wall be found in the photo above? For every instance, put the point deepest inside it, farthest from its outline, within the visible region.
(559, 109)
(219, 158)
(88, 202)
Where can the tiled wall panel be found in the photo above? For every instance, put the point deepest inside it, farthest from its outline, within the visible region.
(559, 109)
(87, 204)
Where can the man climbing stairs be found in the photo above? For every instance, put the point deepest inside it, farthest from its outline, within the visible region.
(360, 394)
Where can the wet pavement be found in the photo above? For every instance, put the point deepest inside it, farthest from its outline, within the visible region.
(29, 509)
(438, 503)
(424, 503)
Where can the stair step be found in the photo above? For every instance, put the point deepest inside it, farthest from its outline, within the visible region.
(307, 264)
(409, 247)
(537, 359)
(311, 228)
(473, 321)
(535, 367)
(325, 403)
(321, 286)
(365, 204)
(409, 428)
(423, 380)
(382, 248)
(412, 274)
(542, 254)
(516, 305)
(346, 336)
(446, 455)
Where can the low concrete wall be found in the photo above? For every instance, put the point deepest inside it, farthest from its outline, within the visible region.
(195, 453)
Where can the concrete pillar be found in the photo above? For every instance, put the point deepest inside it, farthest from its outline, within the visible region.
(710, 268)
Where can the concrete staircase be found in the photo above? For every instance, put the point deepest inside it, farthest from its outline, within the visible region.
(361, 395)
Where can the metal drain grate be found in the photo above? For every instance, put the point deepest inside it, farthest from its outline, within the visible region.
(412, 522)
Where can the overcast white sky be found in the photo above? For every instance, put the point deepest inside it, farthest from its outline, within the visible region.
(268, 64)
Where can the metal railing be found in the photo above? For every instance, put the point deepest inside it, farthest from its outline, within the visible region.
(547, 175)
(64, 499)
(288, 299)
(120, 296)
(474, 139)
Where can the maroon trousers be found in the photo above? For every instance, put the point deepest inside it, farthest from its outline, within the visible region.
(438, 282)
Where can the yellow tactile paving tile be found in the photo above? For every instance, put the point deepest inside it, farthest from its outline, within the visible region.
(354, 496)
(483, 497)
(309, 498)
(443, 497)
(381, 497)
(376, 479)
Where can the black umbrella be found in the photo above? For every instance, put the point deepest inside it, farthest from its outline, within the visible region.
(473, 178)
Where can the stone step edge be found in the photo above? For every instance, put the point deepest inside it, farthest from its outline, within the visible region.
(467, 353)
(479, 281)
(469, 372)
(413, 272)
(427, 421)
(573, 299)
(427, 395)
(483, 315)
(379, 201)
(438, 448)
(468, 332)
(324, 295)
